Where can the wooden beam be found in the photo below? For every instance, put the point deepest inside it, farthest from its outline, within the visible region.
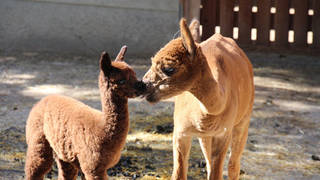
(263, 22)
(282, 23)
(316, 24)
(226, 17)
(208, 18)
(300, 23)
(245, 21)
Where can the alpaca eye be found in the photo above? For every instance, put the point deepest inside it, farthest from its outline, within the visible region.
(168, 71)
(122, 81)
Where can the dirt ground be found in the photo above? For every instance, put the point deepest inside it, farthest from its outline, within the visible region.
(283, 142)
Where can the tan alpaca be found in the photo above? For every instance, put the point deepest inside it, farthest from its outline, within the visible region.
(78, 136)
(213, 85)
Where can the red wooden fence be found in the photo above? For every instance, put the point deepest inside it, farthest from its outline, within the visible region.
(280, 23)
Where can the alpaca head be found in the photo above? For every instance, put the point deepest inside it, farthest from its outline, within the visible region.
(174, 67)
(119, 77)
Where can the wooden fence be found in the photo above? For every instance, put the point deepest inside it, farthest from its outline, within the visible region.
(278, 23)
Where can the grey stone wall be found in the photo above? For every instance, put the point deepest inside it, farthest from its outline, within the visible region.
(86, 27)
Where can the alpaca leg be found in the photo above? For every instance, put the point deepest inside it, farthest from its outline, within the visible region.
(239, 139)
(220, 147)
(66, 171)
(39, 158)
(95, 175)
(206, 147)
(94, 166)
(181, 149)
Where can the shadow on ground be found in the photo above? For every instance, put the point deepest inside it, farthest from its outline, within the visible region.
(283, 140)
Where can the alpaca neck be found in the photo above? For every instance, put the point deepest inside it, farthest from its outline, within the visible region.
(114, 107)
(208, 90)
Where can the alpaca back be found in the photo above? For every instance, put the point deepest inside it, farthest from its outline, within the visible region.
(66, 123)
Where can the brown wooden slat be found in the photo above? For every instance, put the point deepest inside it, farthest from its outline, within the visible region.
(282, 22)
(272, 17)
(245, 21)
(226, 17)
(263, 22)
(191, 9)
(235, 19)
(218, 13)
(254, 20)
(300, 22)
(309, 23)
(291, 16)
(208, 18)
(316, 24)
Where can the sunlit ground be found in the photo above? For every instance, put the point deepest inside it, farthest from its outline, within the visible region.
(283, 136)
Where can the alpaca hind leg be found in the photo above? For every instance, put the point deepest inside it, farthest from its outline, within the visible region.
(66, 171)
(39, 158)
(239, 139)
(220, 147)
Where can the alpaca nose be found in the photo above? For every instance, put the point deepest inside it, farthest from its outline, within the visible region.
(149, 77)
(140, 87)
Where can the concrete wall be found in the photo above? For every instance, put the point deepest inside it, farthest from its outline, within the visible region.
(87, 26)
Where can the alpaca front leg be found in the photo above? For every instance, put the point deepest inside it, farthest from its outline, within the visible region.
(95, 172)
(220, 147)
(66, 171)
(181, 149)
(206, 147)
(95, 175)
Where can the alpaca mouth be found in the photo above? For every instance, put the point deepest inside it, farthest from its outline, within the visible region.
(152, 98)
(154, 90)
(141, 89)
(151, 95)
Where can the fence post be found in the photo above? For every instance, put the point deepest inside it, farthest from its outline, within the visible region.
(226, 17)
(191, 9)
(282, 23)
(245, 21)
(316, 23)
(263, 22)
(300, 25)
(208, 18)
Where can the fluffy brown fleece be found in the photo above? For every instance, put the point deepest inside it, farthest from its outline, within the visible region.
(78, 136)
(213, 85)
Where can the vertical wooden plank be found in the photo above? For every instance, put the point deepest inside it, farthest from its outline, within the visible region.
(184, 7)
(316, 24)
(226, 17)
(245, 21)
(282, 23)
(263, 22)
(191, 9)
(300, 22)
(194, 9)
(208, 18)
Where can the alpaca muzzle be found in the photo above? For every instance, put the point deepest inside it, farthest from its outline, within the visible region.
(140, 88)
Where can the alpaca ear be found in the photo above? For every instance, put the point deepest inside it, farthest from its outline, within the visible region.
(121, 53)
(105, 63)
(195, 30)
(187, 39)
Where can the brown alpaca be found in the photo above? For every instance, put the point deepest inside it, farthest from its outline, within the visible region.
(78, 136)
(213, 85)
